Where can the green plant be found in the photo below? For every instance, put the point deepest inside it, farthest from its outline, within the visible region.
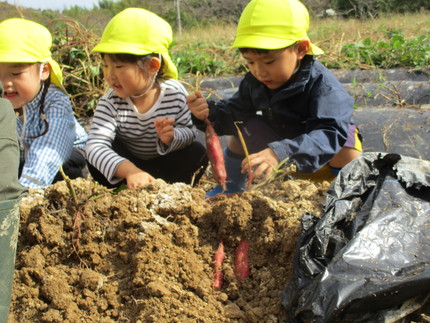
(397, 52)
(203, 57)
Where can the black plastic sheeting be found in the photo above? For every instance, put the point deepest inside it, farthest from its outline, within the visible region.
(390, 130)
(369, 253)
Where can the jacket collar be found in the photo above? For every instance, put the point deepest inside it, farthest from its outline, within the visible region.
(295, 85)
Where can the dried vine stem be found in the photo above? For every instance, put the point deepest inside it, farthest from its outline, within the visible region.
(70, 186)
(78, 217)
(245, 149)
(197, 87)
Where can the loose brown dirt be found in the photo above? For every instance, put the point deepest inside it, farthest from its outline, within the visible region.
(147, 255)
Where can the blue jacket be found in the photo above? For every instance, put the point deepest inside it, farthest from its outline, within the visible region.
(312, 111)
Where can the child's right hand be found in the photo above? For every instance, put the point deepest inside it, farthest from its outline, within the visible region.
(134, 176)
(138, 179)
(262, 164)
(198, 105)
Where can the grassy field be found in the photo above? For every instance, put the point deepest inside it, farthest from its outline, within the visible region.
(326, 30)
(208, 49)
(386, 42)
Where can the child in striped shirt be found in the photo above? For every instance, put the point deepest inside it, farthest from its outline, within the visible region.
(48, 133)
(142, 128)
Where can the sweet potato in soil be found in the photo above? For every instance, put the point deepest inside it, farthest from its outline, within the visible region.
(241, 261)
(147, 255)
(218, 259)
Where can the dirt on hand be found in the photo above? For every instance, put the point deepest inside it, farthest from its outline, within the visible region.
(147, 255)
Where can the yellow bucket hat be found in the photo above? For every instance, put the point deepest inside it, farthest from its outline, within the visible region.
(139, 32)
(273, 24)
(25, 41)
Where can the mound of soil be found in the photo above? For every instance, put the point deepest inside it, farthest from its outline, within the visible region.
(147, 255)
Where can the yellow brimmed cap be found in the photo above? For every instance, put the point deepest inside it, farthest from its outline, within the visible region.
(273, 24)
(139, 32)
(25, 41)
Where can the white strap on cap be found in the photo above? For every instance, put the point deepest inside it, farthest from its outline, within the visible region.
(42, 66)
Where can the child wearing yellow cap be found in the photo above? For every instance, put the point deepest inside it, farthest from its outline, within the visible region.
(48, 133)
(142, 128)
(291, 106)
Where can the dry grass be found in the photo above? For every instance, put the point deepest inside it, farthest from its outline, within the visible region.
(331, 33)
(213, 33)
(328, 33)
(325, 32)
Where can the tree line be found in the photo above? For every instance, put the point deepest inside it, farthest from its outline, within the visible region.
(198, 13)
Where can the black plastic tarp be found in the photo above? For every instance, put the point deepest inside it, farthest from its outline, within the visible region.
(369, 253)
(395, 130)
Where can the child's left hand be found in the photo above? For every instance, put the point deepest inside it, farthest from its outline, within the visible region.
(262, 164)
(165, 130)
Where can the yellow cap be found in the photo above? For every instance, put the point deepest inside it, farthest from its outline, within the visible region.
(273, 24)
(25, 41)
(139, 32)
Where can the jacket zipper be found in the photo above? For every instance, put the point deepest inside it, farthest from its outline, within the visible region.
(269, 113)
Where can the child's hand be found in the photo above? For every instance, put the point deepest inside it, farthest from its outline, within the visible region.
(134, 176)
(198, 105)
(138, 178)
(165, 130)
(262, 164)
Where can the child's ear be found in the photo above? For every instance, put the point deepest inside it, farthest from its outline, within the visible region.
(303, 47)
(45, 72)
(154, 64)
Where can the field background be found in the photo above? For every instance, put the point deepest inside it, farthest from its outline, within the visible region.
(354, 35)
(53, 284)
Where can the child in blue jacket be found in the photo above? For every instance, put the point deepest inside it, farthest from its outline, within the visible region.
(290, 106)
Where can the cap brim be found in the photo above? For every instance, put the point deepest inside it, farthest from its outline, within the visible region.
(16, 58)
(263, 42)
(113, 48)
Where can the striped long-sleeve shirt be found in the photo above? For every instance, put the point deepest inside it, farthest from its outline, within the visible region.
(43, 155)
(117, 118)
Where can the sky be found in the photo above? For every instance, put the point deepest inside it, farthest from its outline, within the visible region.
(54, 4)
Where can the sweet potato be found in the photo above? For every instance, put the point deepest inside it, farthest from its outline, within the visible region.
(218, 259)
(241, 261)
(215, 155)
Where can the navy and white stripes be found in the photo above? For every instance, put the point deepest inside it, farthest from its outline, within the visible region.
(117, 118)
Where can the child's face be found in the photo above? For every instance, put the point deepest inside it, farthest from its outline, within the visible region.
(275, 67)
(127, 79)
(21, 82)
